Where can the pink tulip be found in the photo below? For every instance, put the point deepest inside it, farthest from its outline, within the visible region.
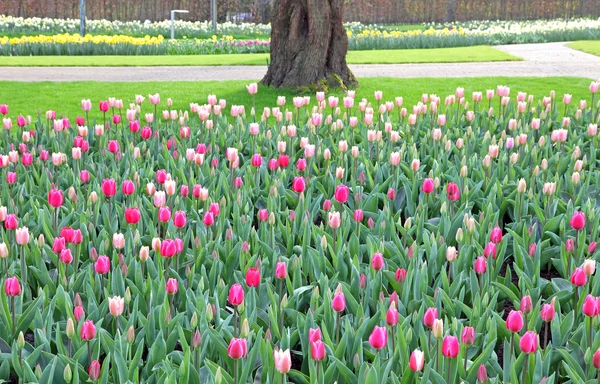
(12, 287)
(252, 277)
(377, 261)
(514, 321)
(400, 275)
(391, 317)
(468, 336)
(282, 360)
(88, 330)
(579, 278)
(431, 314)
(237, 349)
(428, 186)
(317, 350)
(548, 312)
(339, 302)
(378, 338)
(172, 286)
(417, 360)
(102, 265)
(529, 342)
(578, 220)
(450, 347)
(590, 306)
(281, 270)
(496, 235)
(480, 265)
(298, 184)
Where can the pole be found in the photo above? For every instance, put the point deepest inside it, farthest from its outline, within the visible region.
(172, 25)
(213, 13)
(82, 17)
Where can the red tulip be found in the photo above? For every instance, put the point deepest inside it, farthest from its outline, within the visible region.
(67, 234)
(579, 278)
(109, 187)
(482, 375)
(468, 335)
(514, 321)
(430, 315)
(480, 265)
(453, 192)
(428, 186)
(526, 304)
(496, 235)
(168, 248)
(253, 277)
(314, 334)
(590, 306)
(283, 161)
(88, 330)
(378, 338)
(55, 198)
(12, 287)
(548, 312)
(377, 261)
(102, 265)
(215, 209)
(578, 220)
(236, 294)
(209, 219)
(417, 360)
(161, 176)
(341, 193)
(104, 106)
(529, 342)
(317, 350)
(339, 302)
(128, 187)
(490, 249)
(391, 317)
(237, 349)
(172, 286)
(450, 347)
(78, 312)
(281, 270)
(132, 215)
(94, 370)
(263, 215)
(113, 146)
(164, 214)
(179, 219)
(596, 359)
(400, 275)
(66, 257)
(298, 185)
(11, 222)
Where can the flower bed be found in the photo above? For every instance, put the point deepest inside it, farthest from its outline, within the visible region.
(355, 240)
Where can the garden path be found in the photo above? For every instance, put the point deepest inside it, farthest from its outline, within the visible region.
(547, 59)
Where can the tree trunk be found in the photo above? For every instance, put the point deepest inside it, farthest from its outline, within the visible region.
(451, 10)
(308, 45)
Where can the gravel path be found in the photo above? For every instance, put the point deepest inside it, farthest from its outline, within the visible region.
(548, 59)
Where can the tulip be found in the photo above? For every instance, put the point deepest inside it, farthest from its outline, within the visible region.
(482, 375)
(548, 312)
(377, 261)
(427, 186)
(514, 321)
(417, 360)
(578, 220)
(579, 278)
(109, 187)
(168, 248)
(236, 294)
(22, 235)
(341, 193)
(66, 257)
(526, 304)
(102, 265)
(11, 223)
(596, 359)
(453, 192)
(282, 360)
(281, 270)
(317, 350)
(55, 198)
(391, 317)
(94, 370)
(450, 347)
(132, 215)
(116, 304)
(179, 219)
(237, 349)
(12, 287)
(437, 330)
(378, 338)
(400, 275)
(118, 240)
(88, 330)
(430, 315)
(496, 235)
(253, 277)
(528, 345)
(298, 184)
(172, 286)
(490, 250)
(480, 265)
(468, 336)
(339, 302)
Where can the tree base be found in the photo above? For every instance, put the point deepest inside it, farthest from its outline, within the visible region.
(308, 46)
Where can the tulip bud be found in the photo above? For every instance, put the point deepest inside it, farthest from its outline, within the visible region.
(284, 301)
(194, 320)
(245, 329)
(218, 374)
(21, 340)
(131, 335)
(197, 340)
(209, 313)
(438, 328)
(67, 374)
(70, 328)
(38, 371)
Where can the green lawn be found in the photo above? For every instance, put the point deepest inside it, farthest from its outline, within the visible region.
(401, 56)
(589, 46)
(404, 27)
(65, 98)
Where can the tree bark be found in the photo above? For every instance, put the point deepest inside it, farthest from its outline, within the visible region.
(308, 45)
(451, 6)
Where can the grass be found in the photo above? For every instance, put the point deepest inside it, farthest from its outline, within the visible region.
(404, 27)
(401, 56)
(588, 46)
(65, 98)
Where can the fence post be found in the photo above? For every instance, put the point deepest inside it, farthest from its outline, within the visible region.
(82, 17)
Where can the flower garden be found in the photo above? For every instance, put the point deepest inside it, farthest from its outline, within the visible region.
(358, 239)
(37, 36)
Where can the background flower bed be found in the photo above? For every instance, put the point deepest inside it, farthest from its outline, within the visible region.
(135, 38)
(392, 247)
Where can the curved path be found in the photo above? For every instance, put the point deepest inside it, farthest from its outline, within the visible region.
(548, 59)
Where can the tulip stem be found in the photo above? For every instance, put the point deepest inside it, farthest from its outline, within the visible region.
(523, 380)
(23, 267)
(235, 320)
(546, 334)
(448, 369)
(590, 343)
(512, 345)
(337, 332)
(89, 345)
(235, 371)
(437, 355)
(12, 307)
(466, 352)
